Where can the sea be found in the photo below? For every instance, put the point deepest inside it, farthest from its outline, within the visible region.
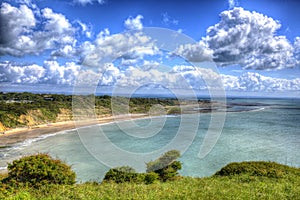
(254, 129)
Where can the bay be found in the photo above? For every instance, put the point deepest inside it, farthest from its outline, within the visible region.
(254, 129)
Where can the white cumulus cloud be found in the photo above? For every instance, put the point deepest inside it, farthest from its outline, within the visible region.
(255, 82)
(20, 35)
(297, 49)
(86, 29)
(200, 78)
(106, 48)
(195, 52)
(16, 24)
(51, 73)
(11, 72)
(180, 77)
(134, 23)
(249, 39)
(60, 74)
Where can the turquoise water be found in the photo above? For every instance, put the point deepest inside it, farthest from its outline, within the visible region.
(255, 129)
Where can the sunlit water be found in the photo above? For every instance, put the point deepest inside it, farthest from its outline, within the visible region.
(269, 131)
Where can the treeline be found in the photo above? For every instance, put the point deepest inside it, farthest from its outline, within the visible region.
(26, 109)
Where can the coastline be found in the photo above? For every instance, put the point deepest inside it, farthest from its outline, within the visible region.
(18, 135)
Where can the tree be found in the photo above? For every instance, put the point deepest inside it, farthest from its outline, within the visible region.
(123, 174)
(39, 169)
(165, 166)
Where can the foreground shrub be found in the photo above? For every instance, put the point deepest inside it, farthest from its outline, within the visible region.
(122, 174)
(128, 174)
(150, 177)
(165, 166)
(3, 176)
(40, 169)
(259, 168)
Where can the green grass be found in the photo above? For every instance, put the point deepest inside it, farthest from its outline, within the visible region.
(241, 185)
(259, 168)
(236, 187)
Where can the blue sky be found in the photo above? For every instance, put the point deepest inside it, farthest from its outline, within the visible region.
(192, 16)
(255, 44)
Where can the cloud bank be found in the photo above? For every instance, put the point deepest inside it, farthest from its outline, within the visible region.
(255, 82)
(20, 35)
(181, 76)
(245, 38)
(130, 47)
(51, 72)
(134, 23)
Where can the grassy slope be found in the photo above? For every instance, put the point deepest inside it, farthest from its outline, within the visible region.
(241, 186)
(246, 180)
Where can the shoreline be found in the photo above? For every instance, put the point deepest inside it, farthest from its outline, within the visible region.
(18, 135)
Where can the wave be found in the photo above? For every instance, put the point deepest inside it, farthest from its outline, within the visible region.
(3, 168)
(258, 109)
(253, 110)
(28, 142)
(134, 119)
(15, 151)
(245, 109)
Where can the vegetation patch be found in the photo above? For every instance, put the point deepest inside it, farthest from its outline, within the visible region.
(37, 170)
(229, 185)
(165, 166)
(27, 109)
(162, 169)
(174, 111)
(258, 168)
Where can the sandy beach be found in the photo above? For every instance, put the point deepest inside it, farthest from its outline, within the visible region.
(20, 134)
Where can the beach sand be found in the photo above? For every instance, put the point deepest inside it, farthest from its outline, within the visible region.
(20, 134)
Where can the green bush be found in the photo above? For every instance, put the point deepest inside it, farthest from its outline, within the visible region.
(165, 166)
(150, 177)
(258, 168)
(169, 172)
(40, 169)
(124, 174)
(128, 174)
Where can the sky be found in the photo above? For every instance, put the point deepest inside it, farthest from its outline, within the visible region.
(253, 46)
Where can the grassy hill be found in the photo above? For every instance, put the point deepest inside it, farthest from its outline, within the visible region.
(265, 180)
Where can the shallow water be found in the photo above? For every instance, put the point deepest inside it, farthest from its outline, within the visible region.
(256, 129)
